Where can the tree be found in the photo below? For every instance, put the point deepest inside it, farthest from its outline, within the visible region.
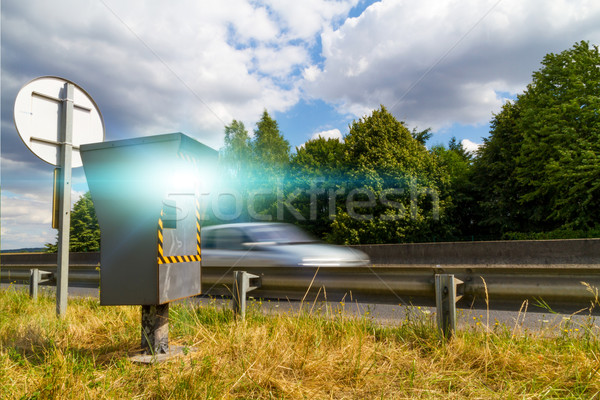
(315, 174)
(237, 151)
(391, 185)
(457, 191)
(269, 147)
(270, 159)
(232, 184)
(496, 186)
(380, 142)
(559, 162)
(540, 168)
(85, 231)
(253, 169)
(421, 136)
(319, 156)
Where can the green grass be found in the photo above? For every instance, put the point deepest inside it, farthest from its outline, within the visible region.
(320, 354)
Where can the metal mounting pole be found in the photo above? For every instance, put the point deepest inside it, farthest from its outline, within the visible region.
(446, 289)
(64, 221)
(155, 336)
(155, 329)
(241, 286)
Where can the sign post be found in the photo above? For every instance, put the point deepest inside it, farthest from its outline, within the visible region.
(53, 117)
(64, 219)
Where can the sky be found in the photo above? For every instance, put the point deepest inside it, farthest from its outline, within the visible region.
(193, 66)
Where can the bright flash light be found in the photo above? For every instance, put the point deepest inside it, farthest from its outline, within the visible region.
(184, 180)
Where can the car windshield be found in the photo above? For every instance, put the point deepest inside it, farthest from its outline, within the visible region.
(280, 234)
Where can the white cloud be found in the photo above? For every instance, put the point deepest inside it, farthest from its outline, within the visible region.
(304, 19)
(435, 63)
(330, 134)
(152, 68)
(470, 146)
(26, 202)
(280, 62)
(311, 73)
(24, 236)
(249, 22)
(26, 220)
(26, 210)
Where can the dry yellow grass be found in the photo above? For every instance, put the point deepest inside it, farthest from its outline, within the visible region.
(299, 356)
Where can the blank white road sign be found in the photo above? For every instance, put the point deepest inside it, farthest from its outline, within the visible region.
(38, 117)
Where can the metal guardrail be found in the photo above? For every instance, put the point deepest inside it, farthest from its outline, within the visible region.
(564, 288)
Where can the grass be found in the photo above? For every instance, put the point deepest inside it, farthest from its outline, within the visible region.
(317, 354)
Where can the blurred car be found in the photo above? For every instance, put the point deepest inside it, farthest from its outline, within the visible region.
(272, 245)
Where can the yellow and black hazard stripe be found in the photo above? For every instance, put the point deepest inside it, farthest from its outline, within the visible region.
(177, 259)
(162, 259)
(188, 158)
(198, 243)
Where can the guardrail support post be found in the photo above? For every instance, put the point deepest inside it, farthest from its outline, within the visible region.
(243, 283)
(35, 278)
(446, 289)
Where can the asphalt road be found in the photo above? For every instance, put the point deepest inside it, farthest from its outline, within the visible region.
(529, 319)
